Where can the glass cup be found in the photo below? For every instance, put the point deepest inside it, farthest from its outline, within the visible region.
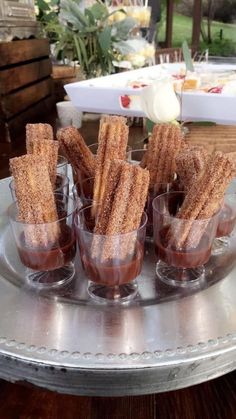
(47, 250)
(61, 186)
(182, 246)
(62, 165)
(83, 191)
(112, 263)
(136, 156)
(227, 221)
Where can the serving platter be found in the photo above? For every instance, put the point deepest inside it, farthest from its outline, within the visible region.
(103, 94)
(167, 338)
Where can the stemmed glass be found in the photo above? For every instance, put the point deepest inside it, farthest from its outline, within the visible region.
(183, 246)
(111, 262)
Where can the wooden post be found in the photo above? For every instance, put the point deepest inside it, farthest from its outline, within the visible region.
(169, 23)
(196, 29)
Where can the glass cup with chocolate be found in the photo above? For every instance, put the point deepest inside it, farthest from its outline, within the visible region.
(111, 262)
(183, 246)
(47, 249)
(227, 222)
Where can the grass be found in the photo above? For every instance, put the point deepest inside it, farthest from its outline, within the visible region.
(182, 29)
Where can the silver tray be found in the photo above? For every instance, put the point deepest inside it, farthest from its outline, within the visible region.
(167, 338)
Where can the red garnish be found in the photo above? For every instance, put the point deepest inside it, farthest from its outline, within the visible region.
(178, 76)
(217, 89)
(125, 101)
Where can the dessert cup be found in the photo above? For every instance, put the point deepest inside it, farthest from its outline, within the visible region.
(47, 250)
(62, 165)
(83, 190)
(227, 221)
(113, 262)
(183, 246)
(61, 186)
(136, 156)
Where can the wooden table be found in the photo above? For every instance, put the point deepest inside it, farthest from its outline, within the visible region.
(211, 400)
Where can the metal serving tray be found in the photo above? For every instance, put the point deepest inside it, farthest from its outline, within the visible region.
(167, 338)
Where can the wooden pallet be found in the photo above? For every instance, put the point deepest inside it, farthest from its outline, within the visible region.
(214, 138)
(26, 90)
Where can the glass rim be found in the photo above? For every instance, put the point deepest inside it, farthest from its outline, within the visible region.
(182, 219)
(12, 181)
(63, 163)
(143, 224)
(14, 205)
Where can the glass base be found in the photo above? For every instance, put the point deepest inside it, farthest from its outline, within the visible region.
(179, 277)
(51, 279)
(220, 246)
(118, 294)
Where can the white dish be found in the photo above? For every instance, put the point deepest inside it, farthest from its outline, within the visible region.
(103, 94)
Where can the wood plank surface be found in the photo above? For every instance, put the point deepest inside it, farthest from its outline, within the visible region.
(16, 77)
(22, 99)
(215, 399)
(214, 138)
(18, 51)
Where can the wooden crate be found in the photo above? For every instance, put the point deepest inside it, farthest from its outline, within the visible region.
(26, 90)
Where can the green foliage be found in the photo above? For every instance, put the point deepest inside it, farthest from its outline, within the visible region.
(87, 36)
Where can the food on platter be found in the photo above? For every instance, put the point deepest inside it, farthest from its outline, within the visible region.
(190, 162)
(76, 151)
(163, 147)
(112, 144)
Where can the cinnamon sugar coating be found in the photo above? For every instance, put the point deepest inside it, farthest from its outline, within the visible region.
(38, 132)
(47, 149)
(35, 199)
(76, 150)
(190, 161)
(203, 200)
(163, 147)
(112, 144)
(121, 210)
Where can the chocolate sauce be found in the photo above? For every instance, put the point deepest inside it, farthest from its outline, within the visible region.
(47, 259)
(227, 221)
(190, 258)
(114, 272)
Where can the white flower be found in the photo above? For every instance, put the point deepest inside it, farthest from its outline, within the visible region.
(160, 102)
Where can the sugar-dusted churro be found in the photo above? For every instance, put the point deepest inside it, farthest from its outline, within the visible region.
(122, 208)
(163, 147)
(35, 199)
(112, 144)
(76, 150)
(48, 149)
(38, 132)
(190, 162)
(202, 201)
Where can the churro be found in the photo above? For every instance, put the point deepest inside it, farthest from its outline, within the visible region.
(48, 149)
(122, 208)
(76, 151)
(190, 162)
(202, 201)
(35, 199)
(38, 132)
(112, 144)
(163, 147)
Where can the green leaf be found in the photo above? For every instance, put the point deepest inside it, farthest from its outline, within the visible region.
(42, 5)
(122, 28)
(104, 39)
(73, 9)
(98, 10)
(187, 56)
(77, 47)
(90, 16)
(83, 51)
